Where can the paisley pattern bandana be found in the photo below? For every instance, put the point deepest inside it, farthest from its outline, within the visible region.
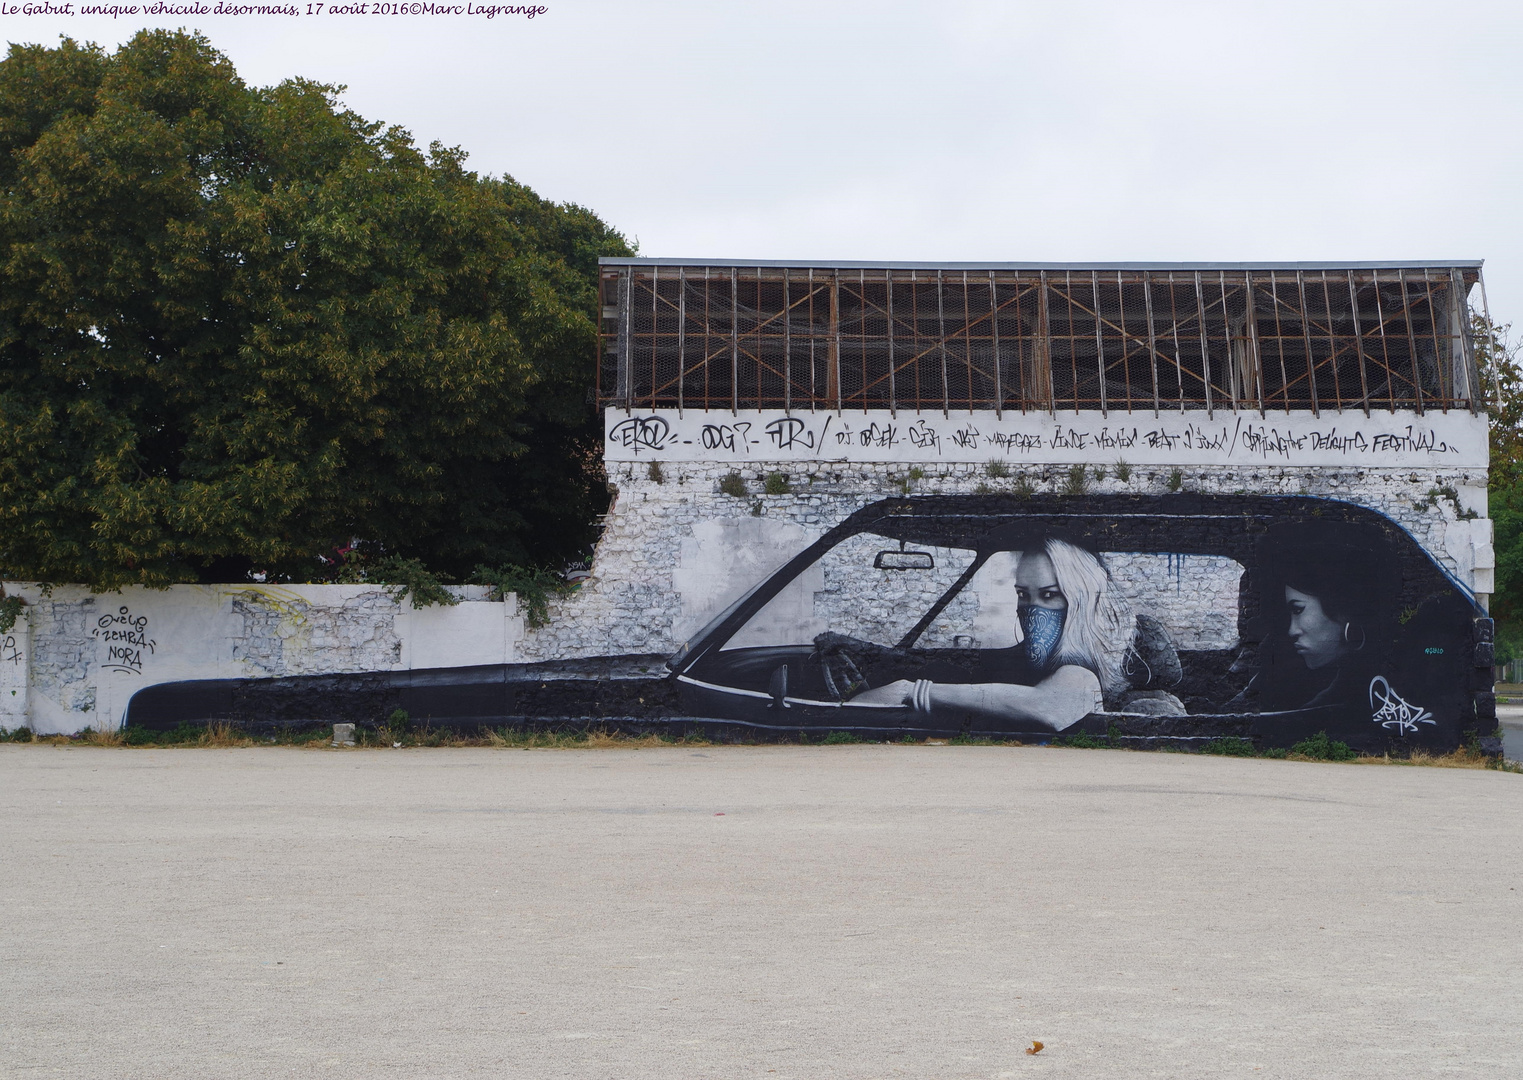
(1041, 627)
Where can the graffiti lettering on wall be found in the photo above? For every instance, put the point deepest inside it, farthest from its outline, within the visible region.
(1391, 712)
(1455, 438)
(126, 639)
(9, 652)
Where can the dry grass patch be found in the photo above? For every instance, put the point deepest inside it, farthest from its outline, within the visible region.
(1463, 758)
(223, 734)
(91, 737)
(518, 739)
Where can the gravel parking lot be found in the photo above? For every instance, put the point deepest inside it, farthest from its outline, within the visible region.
(843, 911)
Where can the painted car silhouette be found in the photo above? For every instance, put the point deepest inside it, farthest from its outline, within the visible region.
(920, 588)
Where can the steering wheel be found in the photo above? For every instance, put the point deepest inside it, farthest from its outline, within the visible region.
(838, 664)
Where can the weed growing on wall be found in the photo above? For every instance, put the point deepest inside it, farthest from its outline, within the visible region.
(777, 483)
(10, 610)
(21, 734)
(655, 473)
(997, 470)
(1123, 471)
(733, 485)
(533, 586)
(400, 577)
(1023, 488)
(1076, 481)
(840, 738)
(1176, 480)
(1448, 493)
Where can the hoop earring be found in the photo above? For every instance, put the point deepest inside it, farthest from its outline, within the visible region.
(1362, 637)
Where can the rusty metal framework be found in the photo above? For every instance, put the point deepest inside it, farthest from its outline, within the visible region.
(723, 335)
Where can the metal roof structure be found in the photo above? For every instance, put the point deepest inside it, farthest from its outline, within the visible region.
(731, 334)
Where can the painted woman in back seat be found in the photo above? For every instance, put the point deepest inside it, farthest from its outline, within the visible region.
(1075, 632)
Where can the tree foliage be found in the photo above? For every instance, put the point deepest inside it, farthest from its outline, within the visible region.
(1497, 355)
(243, 327)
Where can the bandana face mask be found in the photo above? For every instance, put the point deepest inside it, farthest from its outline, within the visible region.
(1041, 627)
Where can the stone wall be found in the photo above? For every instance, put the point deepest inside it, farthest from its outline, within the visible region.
(676, 551)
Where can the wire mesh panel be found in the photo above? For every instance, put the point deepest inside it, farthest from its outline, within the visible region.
(951, 338)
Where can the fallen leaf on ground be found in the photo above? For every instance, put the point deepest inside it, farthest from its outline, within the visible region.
(1036, 1047)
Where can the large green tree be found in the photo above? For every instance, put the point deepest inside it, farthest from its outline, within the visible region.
(242, 326)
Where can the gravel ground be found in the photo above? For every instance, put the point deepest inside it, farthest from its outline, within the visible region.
(806, 912)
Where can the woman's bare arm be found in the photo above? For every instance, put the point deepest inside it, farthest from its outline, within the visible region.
(1064, 697)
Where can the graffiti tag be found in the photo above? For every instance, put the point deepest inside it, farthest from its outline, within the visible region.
(1008, 441)
(966, 438)
(788, 432)
(640, 433)
(126, 638)
(8, 651)
(726, 437)
(923, 436)
(1421, 441)
(879, 435)
(1391, 712)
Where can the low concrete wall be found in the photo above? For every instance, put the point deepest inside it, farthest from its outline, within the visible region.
(75, 658)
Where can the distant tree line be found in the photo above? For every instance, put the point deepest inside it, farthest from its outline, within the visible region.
(1498, 354)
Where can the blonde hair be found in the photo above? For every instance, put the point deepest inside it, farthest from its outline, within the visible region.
(1098, 627)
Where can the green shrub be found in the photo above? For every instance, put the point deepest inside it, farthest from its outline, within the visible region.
(1230, 746)
(1083, 741)
(534, 588)
(777, 484)
(10, 610)
(1320, 747)
(21, 734)
(400, 577)
(733, 485)
(183, 732)
(837, 738)
(997, 470)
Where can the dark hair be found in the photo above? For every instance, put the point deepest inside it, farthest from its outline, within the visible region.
(1348, 568)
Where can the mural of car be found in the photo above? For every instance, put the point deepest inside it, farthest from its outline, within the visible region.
(1186, 617)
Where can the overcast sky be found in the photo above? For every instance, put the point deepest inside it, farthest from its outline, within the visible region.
(956, 129)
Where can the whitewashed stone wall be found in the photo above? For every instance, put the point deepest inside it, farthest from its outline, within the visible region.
(675, 553)
(75, 659)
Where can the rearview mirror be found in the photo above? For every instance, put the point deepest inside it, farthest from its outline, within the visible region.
(904, 560)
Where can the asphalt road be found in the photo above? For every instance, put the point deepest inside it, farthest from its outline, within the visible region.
(855, 911)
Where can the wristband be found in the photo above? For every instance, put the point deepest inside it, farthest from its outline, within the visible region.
(920, 697)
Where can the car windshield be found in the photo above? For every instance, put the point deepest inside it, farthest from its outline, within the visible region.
(878, 590)
(868, 587)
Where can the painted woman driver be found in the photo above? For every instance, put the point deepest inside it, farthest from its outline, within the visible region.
(1075, 631)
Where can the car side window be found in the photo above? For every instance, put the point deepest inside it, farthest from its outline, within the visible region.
(867, 587)
(1194, 597)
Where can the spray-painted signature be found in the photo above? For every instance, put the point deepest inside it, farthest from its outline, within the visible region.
(1391, 712)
